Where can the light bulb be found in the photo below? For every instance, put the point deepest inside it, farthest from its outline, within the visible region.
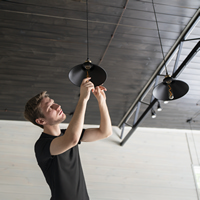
(170, 92)
(159, 107)
(153, 114)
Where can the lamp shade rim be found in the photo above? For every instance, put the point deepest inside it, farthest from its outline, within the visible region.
(179, 89)
(79, 72)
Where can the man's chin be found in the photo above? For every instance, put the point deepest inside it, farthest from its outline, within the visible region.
(58, 121)
(63, 117)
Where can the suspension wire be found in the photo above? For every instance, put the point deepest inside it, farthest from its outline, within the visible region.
(159, 38)
(113, 34)
(87, 30)
(196, 114)
(194, 143)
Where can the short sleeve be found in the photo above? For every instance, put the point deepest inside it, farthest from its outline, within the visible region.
(42, 150)
(81, 136)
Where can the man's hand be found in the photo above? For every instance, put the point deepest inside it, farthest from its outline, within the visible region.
(99, 93)
(86, 87)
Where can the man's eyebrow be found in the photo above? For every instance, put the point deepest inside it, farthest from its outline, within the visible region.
(48, 103)
(51, 101)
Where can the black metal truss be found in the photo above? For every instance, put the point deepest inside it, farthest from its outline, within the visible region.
(176, 49)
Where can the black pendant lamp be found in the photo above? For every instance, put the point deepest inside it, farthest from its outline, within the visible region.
(87, 69)
(169, 89)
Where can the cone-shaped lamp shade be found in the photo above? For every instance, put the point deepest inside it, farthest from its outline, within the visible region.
(177, 88)
(79, 72)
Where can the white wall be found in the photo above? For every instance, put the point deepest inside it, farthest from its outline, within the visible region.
(154, 164)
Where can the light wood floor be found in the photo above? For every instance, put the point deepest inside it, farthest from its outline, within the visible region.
(154, 164)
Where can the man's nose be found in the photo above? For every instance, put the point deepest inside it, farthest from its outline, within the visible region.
(58, 107)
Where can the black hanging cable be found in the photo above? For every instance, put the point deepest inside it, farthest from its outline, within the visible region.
(87, 30)
(79, 72)
(159, 38)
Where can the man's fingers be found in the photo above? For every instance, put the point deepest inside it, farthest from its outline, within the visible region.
(99, 89)
(86, 80)
(102, 88)
(88, 84)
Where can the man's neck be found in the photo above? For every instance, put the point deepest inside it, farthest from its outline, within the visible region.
(52, 129)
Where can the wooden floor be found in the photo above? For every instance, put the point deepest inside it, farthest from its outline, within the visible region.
(155, 164)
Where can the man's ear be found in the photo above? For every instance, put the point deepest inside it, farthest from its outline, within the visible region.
(40, 121)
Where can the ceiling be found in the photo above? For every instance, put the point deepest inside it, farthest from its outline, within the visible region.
(42, 40)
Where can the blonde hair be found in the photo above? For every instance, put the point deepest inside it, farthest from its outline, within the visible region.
(32, 110)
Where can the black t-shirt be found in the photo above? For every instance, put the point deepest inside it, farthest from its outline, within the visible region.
(63, 172)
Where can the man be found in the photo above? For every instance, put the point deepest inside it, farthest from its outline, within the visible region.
(57, 150)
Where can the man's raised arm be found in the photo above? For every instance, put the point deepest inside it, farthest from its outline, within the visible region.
(105, 128)
(74, 130)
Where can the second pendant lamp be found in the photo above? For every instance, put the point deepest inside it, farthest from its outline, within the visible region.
(87, 69)
(169, 89)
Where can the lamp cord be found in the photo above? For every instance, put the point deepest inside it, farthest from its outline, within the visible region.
(159, 38)
(87, 30)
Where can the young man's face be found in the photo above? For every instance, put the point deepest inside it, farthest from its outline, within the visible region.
(52, 112)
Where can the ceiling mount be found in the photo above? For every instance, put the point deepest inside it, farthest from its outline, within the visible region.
(87, 69)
